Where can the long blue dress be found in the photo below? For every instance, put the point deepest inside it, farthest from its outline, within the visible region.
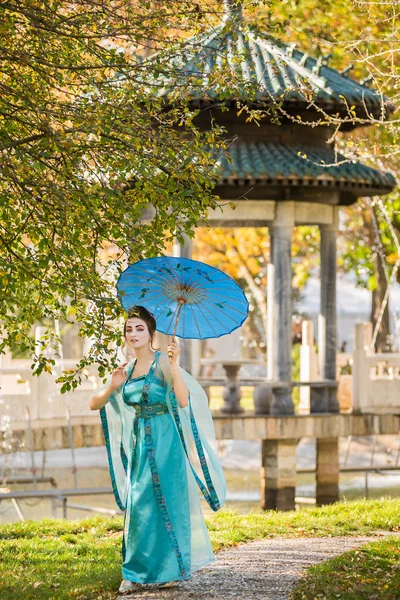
(160, 456)
(151, 553)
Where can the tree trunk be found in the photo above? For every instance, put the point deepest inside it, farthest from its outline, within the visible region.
(382, 343)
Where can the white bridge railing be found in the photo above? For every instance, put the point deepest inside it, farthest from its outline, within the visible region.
(20, 390)
(376, 376)
(367, 381)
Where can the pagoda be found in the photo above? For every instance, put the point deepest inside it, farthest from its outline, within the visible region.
(287, 173)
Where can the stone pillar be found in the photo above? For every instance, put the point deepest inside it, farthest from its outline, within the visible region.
(185, 251)
(327, 333)
(271, 362)
(327, 472)
(308, 365)
(280, 308)
(278, 474)
(361, 372)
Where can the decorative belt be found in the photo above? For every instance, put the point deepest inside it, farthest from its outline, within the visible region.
(144, 411)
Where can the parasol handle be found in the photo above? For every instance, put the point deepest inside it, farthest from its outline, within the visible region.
(181, 303)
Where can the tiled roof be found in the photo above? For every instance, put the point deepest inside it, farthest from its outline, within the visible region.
(281, 72)
(269, 162)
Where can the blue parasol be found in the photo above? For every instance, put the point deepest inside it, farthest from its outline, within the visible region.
(188, 298)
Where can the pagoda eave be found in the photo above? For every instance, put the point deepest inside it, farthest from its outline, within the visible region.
(317, 191)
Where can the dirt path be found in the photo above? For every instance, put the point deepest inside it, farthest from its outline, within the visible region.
(261, 570)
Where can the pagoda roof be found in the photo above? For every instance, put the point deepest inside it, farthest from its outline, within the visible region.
(280, 73)
(276, 163)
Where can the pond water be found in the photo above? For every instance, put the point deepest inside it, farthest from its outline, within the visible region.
(242, 483)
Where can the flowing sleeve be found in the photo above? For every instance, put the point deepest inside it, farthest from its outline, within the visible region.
(117, 421)
(196, 430)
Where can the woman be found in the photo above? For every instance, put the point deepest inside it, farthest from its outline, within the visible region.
(161, 448)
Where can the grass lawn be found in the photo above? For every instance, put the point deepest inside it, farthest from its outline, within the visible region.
(371, 572)
(57, 559)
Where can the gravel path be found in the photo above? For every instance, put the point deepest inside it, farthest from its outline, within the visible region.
(261, 570)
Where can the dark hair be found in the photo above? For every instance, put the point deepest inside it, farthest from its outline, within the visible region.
(140, 312)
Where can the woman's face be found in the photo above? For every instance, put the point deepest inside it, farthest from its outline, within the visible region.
(137, 333)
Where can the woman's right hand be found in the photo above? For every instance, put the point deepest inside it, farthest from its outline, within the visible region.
(119, 377)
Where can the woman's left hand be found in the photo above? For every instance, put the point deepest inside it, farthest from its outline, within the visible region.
(173, 352)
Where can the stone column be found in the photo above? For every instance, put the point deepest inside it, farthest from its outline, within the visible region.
(280, 308)
(185, 251)
(327, 328)
(361, 368)
(271, 362)
(278, 474)
(308, 365)
(327, 474)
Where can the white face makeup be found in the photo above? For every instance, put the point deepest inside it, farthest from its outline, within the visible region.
(137, 333)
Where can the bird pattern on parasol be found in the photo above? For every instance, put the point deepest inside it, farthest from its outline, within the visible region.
(188, 298)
